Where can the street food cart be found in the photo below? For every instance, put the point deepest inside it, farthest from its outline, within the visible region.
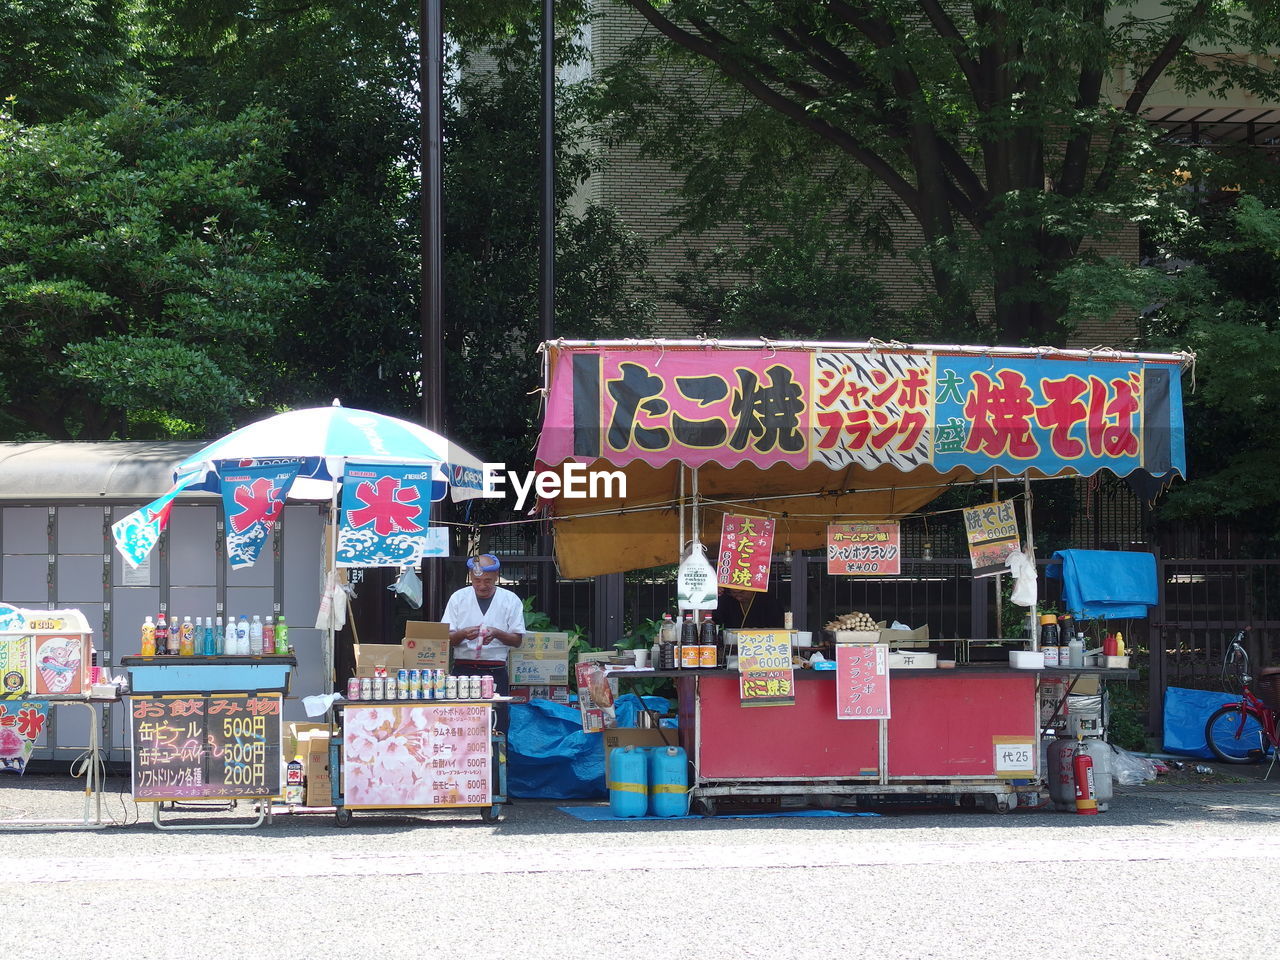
(809, 434)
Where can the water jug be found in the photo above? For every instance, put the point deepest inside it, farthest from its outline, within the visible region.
(628, 782)
(668, 782)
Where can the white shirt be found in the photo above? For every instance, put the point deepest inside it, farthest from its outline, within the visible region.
(506, 612)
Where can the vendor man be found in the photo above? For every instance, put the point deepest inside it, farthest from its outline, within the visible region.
(485, 622)
(748, 610)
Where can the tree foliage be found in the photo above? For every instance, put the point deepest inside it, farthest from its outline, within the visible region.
(991, 128)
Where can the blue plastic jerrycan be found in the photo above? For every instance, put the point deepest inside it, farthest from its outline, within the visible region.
(668, 782)
(628, 782)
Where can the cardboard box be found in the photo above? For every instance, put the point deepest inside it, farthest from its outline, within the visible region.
(614, 737)
(541, 660)
(526, 692)
(319, 789)
(425, 645)
(294, 735)
(369, 655)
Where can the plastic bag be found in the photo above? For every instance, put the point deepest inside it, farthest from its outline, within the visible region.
(1129, 768)
(696, 581)
(409, 586)
(1024, 579)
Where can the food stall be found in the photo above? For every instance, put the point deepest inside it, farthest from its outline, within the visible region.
(46, 661)
(811, 434)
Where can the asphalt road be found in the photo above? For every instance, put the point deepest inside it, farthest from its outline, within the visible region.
(1170, 871)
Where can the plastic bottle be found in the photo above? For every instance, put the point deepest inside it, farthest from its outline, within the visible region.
(1120, 647)
(209, 644)
(187, 638)
(282, 637)
(148, 638)
(1075, 651)
(688, 644)
(1109, 645)
(229, 645)
(242, 636)
(268, 636)
(162, 635)
(707, 651)
(255, 636)
(1048, 630)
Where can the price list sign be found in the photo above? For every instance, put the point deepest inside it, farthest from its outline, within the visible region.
(766, 677)
(223, 747)
(416, 756)
(862, 681)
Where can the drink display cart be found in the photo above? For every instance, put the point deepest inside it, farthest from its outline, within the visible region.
(811, 434)
(411, 756)
(206, 730)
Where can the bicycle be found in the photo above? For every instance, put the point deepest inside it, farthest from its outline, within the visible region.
(1243, 732)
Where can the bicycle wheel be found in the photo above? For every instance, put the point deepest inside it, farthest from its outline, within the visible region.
(1235, 735)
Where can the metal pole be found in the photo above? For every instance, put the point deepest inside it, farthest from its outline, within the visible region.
(547, 253)
(431, 298)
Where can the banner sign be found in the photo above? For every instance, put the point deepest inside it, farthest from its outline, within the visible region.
(224, 747)
(416, 755)
(385, 510)
(992, 531)
(766, 677)
(864, 549)
(864, 407)
(20, 727)
(137, 534)
(746, 552)
(252, 500)
(862, 681)
(15, 666)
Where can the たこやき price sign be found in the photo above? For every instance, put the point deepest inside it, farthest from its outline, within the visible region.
(862, 681)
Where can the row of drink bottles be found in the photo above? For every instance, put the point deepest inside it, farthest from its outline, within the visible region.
(420, 685)
(688, 647)
(240, 637)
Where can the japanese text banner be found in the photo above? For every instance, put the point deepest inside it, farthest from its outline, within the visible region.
(866, 408)
(385, 513)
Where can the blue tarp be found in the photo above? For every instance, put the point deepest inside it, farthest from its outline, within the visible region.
(548, 755)
(1111, 584)
(1185, 714)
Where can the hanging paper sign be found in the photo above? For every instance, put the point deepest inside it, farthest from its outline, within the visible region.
(992, 531)
(766, 677)
(137, 534)
(864, 549)
(252, 499)
(385, 510)
(61, 663)
(746, 552)
(20, 728)
(862, 681)
(696, 582)
(15, 667)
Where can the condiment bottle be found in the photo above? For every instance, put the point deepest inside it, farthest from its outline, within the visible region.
(1120, 647)
(1075, 651)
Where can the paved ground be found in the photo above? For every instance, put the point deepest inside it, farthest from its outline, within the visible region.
(1183, 867)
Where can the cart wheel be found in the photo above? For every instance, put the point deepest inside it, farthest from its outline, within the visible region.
(708, 806)
(999, 802)
(491, 814)
(343, 817)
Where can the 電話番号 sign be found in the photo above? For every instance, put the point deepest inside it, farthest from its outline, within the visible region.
(992, 531)
(864, 549)
(862, 681)
(766, 676)
(746, 551)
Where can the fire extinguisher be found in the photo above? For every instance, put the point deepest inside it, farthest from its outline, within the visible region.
(1082, 767)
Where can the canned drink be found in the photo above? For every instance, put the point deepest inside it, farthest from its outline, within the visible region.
(451, 688)
(415, 685)
(428, 685)
(486, 687)
(402, 676)
(475, 688)
(403, 692)
(380, 672)
(440, 684)
(353, 688)
(379, 688)
(366, 688)
(393, 688)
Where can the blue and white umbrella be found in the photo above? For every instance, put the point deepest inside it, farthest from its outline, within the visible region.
(323, 439)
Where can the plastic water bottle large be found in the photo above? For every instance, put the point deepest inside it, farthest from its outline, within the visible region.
(229, 645)
(628, 782)
(668, 782)
(242, 636)
(255, 636)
